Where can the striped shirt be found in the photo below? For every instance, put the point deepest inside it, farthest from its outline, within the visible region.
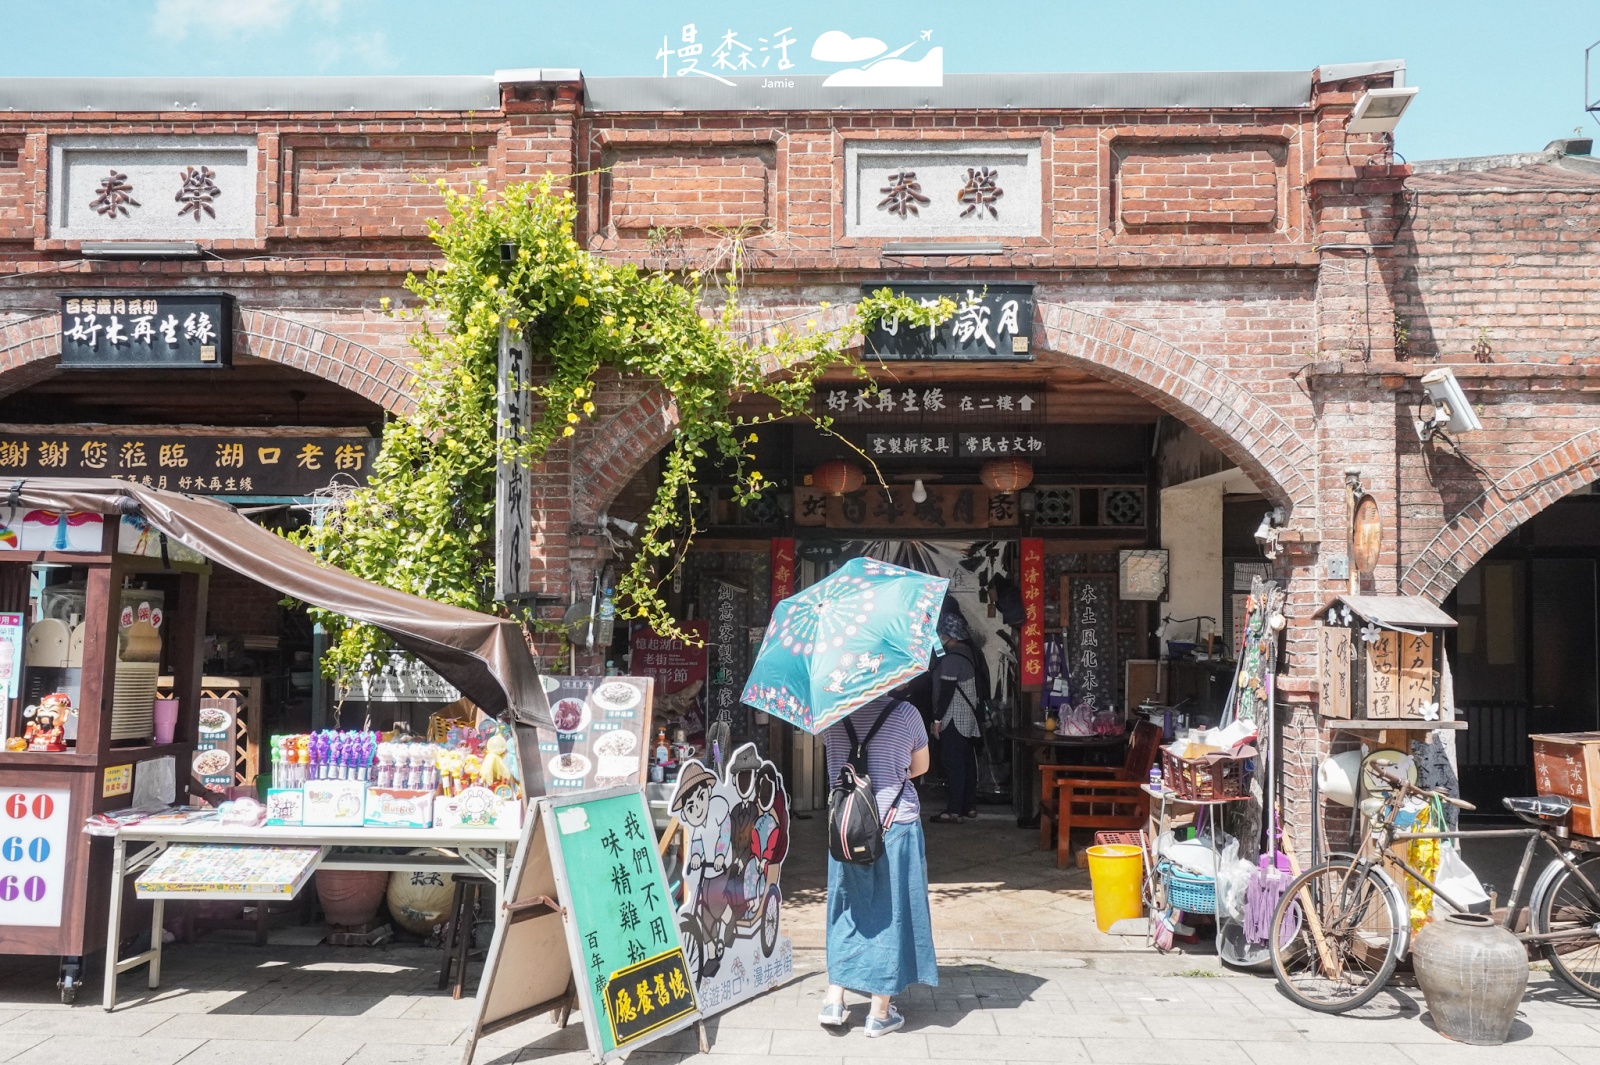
(888, 755)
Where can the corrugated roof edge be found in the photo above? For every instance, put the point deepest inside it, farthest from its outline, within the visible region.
(1346, 71)
(467, 93)
(1218, 90)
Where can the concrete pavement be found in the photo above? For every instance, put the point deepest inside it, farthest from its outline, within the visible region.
(235, 1004)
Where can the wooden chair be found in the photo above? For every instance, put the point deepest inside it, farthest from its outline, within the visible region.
(1095, 796)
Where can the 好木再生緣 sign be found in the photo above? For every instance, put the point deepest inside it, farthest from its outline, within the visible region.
(153, 330)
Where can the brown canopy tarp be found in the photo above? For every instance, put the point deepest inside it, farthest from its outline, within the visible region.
(485, 657)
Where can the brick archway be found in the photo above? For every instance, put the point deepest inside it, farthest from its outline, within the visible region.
(1231, 417)
(1235, 420)
(30, 348)
(1500, 508)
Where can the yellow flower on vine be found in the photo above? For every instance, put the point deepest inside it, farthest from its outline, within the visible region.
(567, 431)
(571, 417)
(579, 301)
(588, 408)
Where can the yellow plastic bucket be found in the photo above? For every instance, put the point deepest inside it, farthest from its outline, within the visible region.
(1116, 871)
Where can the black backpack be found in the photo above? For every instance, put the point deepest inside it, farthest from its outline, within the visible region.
(855, 835)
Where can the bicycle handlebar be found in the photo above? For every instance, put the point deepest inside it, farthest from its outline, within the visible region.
(1382, 768)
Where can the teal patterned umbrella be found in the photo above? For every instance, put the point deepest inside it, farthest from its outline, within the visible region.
(833, 648)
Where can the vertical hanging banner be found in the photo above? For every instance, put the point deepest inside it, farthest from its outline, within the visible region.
(782, 568)
(513, 480)
(1032, 644)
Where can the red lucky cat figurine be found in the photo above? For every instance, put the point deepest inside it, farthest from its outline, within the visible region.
(46, 730)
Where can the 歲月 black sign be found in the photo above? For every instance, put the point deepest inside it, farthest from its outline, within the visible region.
(990, 322)
(236, 463)
(155, 330)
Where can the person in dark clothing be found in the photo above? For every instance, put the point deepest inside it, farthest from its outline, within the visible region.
(956, 724)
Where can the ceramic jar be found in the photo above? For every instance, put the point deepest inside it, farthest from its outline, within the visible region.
(1472, 973)
(351, 897)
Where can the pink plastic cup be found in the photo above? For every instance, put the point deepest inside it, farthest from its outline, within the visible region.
(166, 719)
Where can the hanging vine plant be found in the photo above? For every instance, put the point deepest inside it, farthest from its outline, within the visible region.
(424, 523)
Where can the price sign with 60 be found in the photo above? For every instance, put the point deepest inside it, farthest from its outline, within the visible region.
(33, 855)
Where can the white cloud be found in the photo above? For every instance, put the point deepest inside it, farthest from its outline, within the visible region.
(836, 46)
(366, 50)
(175, 19)
(927, 72)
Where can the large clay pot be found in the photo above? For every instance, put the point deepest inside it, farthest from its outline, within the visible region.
(350, 896)
(1472, 973)
(419, 901)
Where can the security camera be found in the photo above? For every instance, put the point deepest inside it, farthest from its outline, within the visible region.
(630, 529)
(1451, 408)
(1266, 533)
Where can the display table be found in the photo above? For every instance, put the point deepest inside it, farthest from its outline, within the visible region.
(480, 851)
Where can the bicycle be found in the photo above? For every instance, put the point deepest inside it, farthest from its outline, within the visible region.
(1343, 926)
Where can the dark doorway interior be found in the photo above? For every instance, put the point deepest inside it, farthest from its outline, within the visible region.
(1526, 655)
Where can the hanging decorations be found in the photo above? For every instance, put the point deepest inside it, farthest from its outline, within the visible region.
(838, 477)
(1007, 475)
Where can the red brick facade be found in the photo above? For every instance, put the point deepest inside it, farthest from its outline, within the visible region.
(1240, 268)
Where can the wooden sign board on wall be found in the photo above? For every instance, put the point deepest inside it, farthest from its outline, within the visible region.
(947, 507)
(1383, 676)
(1416, 673)
(1333, 671)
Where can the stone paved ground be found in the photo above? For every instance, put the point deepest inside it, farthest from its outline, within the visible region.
(232, 1004)
(991, 888)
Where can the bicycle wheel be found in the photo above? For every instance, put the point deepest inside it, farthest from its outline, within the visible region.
(1342, 952)
(1567, 907)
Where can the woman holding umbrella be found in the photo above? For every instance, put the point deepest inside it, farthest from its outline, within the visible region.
(880, 933)
(842, 650)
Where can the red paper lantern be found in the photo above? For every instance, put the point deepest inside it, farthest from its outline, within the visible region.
(1006, 475)
(837, 477)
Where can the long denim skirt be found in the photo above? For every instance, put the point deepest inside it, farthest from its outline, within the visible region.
(880, 935)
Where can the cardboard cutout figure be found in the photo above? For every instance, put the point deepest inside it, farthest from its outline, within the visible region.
(735, 838)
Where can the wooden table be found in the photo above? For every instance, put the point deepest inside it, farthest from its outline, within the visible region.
(1051, 748)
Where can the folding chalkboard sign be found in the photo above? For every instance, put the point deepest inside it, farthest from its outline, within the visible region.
(590, 923)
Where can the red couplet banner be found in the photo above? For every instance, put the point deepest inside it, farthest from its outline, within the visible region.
(782, 568)
(1032, 643)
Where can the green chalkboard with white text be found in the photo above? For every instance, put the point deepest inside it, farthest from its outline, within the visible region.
(629, 971)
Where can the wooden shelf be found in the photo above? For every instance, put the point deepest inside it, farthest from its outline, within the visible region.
(1368, 725)
(1167, 796)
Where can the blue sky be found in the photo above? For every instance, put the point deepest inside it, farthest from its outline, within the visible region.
(1495, 76)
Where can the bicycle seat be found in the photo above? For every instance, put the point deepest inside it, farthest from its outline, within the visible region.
(1540, 808)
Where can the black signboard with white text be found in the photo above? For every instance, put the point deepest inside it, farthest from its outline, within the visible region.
(991, 322)
(146, 330)
(215, 462)
(1089, 603)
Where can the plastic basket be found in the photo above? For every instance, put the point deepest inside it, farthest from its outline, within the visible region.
(1188, 892)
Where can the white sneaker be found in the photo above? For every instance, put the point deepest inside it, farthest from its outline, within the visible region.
(833, 1015)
